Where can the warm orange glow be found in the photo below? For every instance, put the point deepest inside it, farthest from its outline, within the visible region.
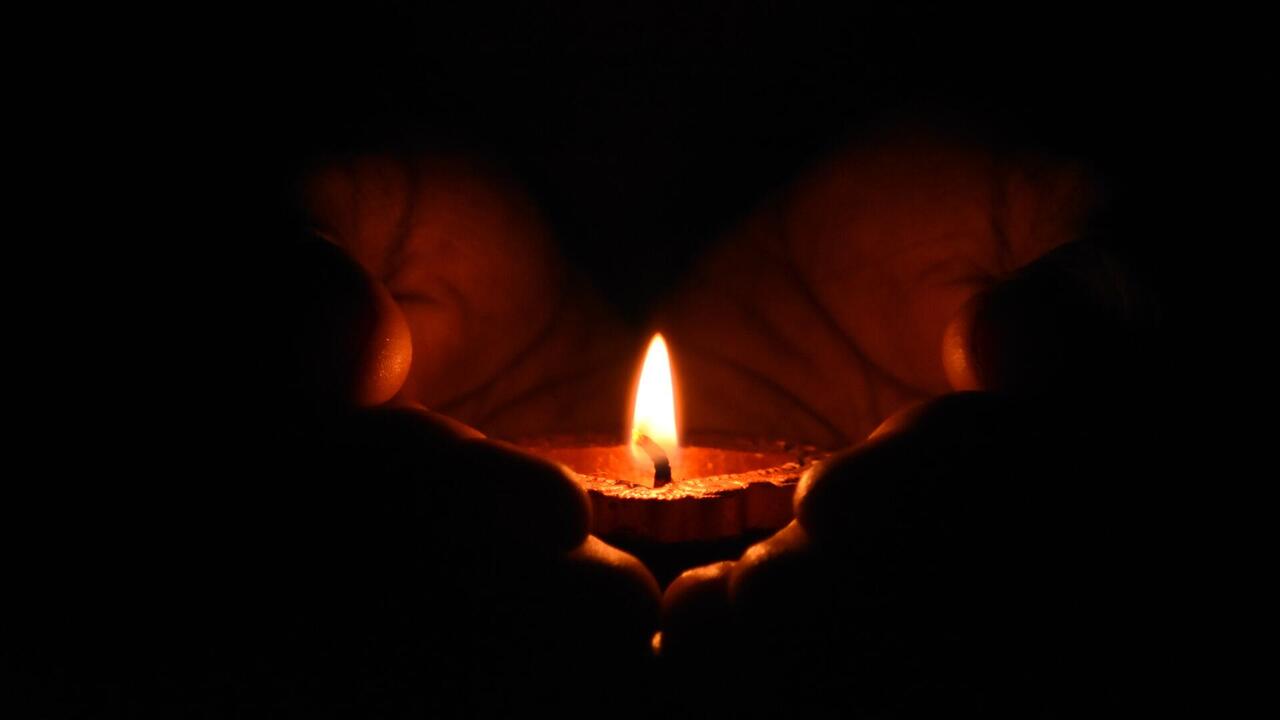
(654, 406)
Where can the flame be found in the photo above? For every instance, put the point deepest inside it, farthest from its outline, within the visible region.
(654, 406)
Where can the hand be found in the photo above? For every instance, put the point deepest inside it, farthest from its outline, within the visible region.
(398, 556)
(976, 554)
(505, 338)
(826, 311)
(957, 558)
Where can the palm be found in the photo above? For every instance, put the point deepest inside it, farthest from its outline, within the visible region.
(817, 319)
(504, 339)
(825, 312)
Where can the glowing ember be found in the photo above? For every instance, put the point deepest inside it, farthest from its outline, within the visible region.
(654, 408)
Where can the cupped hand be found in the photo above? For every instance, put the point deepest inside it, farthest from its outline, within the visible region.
(969, 555)
(893, 273)
(409, 561)
(505, 337)
(826, 310)
(822, 314)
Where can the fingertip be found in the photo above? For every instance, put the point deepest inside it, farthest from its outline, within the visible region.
(695, 590)
(696, 614)
(1073, 323)
(957, 356)
(698, 621)
(521, 500)
(780, 593)
(596, 552)
(946, 445)
(389, 353)
(695, 580)
(612, 600)
(762, 570)
(350, 344)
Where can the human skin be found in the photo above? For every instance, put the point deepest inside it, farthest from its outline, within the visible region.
(845, 299)
(505, 338)
(825, 312)
(822, 314)
(437, 545)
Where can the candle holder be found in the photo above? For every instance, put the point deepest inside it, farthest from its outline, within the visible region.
(724, 494)
(679, 503)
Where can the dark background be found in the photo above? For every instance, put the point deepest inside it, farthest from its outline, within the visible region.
(654, 124)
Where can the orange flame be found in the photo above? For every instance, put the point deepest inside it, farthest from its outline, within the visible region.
(654, 406)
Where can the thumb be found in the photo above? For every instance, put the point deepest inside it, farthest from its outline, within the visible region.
(1077, 319)
(349, 344)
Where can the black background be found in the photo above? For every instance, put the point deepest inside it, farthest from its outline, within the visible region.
(653, 124)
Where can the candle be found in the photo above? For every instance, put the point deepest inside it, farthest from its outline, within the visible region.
(660, 486)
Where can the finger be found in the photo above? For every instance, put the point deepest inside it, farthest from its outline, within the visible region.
(350, 342)
(961, 457)
(431, 492)
(515, 501)
(460, 247)
(789, 617)
(571, 633)
(777, 592)
(448, 426)
(697, 623)
(505, 339)
(978, 499)
(464, 565)
(1075, 321)
(952, 551)
(893, 235)
(825, 311)
(625, 597)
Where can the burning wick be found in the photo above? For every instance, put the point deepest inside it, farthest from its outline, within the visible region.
(661, 466)
(653, 414)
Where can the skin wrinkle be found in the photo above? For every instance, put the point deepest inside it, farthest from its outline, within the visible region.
(372, 182)
(408, 251)
(538, 340)
(872, 250)
(764, 380)
(944, 272)
(829, 321)
(764, 253)
(416, 298)
(768, 328)
(580, 376)
(430, 256)
(321, 191)
(796, 277)
(877, 385)
(522, 354)
(1005, 260)
(851, 345)
(748, 305)
(394, 260)
(453, 297)
(1047, 195)
(761, 326)
(766, 323)
(1056, 198)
